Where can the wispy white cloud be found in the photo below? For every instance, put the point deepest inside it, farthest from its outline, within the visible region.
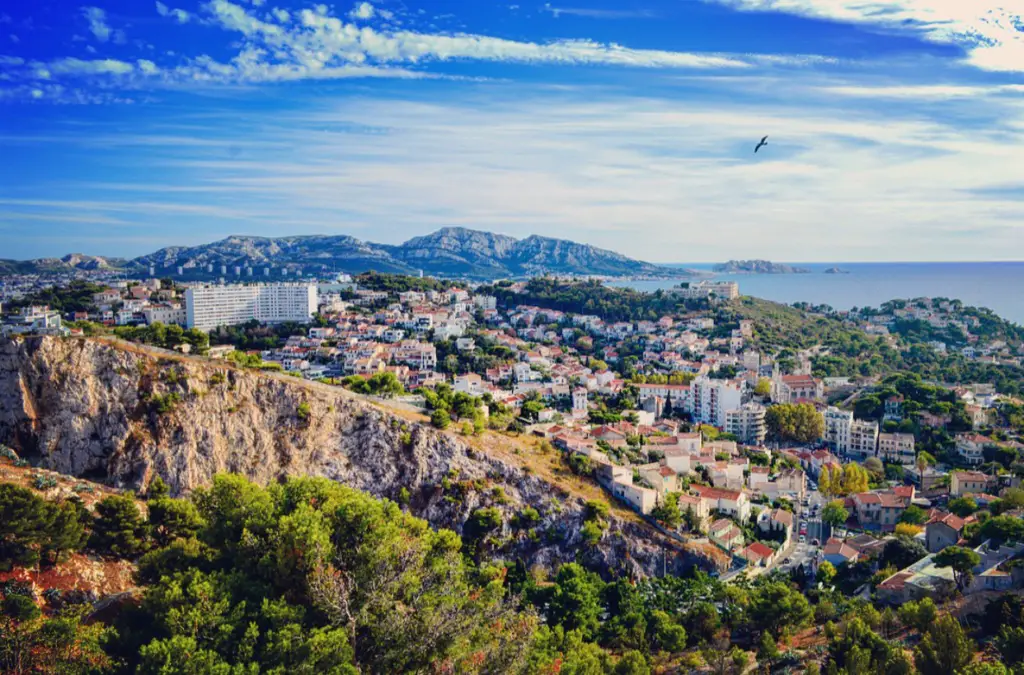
(595, 13)
(97, 22)
(73, 66)
(989, 30)
(97, 19)
(925, 91)
(854, 179)
(278, 45)
(321, 40)
(180, 15)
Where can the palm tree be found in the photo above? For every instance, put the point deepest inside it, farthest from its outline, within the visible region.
(924, 460)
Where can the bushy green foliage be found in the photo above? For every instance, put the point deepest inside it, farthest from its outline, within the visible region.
(119, 529)
(64, 643)
(74, 297)
(591, 297)
(33, 530)
(255, 335)
(161, 404)
(165, 336)
(799, 422)
(253, 361)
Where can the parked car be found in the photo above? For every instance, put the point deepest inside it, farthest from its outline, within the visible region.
(803, 539)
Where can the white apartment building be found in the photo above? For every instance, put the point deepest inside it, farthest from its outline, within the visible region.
(36, 320)
(747, 423)
(166, 314)
(896, 448)
(837, 429)
(863, 438)
(208, 307)
(848, 436)
(723, 290)
(712, 398)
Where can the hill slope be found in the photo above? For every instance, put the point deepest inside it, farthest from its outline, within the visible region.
(86, 407)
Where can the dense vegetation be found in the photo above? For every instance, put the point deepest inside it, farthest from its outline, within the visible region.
(591, 297)
(75, 297)
(256, 336)
(401, 283)
(312, 577)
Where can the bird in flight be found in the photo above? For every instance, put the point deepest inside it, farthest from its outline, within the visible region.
(764, 142)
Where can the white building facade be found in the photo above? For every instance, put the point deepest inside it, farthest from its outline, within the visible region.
(208, 307)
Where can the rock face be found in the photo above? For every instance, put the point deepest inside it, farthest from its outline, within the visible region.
(124, 415)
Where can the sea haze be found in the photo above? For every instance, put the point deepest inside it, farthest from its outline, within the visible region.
(996, 285)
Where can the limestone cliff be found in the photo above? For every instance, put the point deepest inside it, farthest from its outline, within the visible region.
(123, 415)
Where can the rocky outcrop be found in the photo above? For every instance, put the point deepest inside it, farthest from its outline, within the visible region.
(122, 415)
(758, 267)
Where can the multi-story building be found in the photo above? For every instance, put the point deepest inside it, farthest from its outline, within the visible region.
(837, 429)
(734, 503)
(970, 482)
(863, 438)
(791, 388)
(37, 320)
(971, 448)
(710, 399)
(942, 531)
(896, 448)
(208, 307)
(167, 314)
(721, 290)
(747, 423)
(415, 354)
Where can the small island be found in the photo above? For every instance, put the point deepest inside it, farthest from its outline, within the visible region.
(836, 270)
(758, 267)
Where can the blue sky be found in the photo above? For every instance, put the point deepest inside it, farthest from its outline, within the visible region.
(896, 126)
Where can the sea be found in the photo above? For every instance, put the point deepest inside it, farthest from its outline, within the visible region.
(998, 286)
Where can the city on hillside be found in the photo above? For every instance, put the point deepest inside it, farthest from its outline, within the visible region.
(694, 407)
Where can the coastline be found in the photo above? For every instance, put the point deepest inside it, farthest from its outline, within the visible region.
(990, 285)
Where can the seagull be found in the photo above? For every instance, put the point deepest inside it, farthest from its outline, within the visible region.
(764, 142)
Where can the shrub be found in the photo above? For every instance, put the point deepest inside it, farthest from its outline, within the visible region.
(41, 482)
(592, 531)
(165, 403)
(303, 412)
(440, 418)
(118, 529)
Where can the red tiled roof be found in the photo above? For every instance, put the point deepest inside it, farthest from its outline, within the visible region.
(838, 547)
(950, 519)
(761, 550)
(782, 516)
(716, 493)
(896, 582)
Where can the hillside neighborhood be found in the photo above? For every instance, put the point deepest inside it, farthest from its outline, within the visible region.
(694, 423)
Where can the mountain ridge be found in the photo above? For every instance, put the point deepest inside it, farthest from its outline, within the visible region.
(448, 252)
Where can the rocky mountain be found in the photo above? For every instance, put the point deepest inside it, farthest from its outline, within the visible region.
(758, 267)
(450, 251)
(122, 415)
(836, 270)
(69, 263)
